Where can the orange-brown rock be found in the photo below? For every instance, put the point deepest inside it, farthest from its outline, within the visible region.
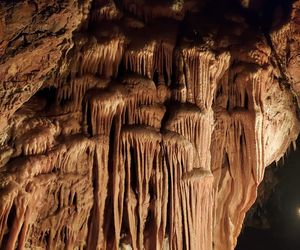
(141, 124)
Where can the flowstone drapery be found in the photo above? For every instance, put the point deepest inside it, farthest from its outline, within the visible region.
(134, 124)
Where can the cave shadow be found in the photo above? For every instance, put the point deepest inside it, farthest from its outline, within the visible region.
(280, 209)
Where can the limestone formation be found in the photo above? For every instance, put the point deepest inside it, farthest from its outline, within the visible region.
(141, 124)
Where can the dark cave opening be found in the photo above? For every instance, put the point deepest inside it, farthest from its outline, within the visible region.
(41, 102)
(48, 94)
(273, 223)
(272, 13)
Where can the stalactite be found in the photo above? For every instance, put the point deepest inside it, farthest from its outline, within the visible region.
(239, 136)
(35, 136)
(166, 37)
(196, 126)
(108, 11)
(191, 195)
(139, 125)
(230, 181)
(140, 92)
(103, 106)
(196, 189)
(140, 148)
(141, 60)
(35, 184)
(160, 203)
(76, 89)
(240, 130)
(163, 59)
(202, 69)
(150, 115)
(29, 201)
(102, 58)
(21, 203)
(152, 52)
(97, 233)
(118, 181)
(222, 92)
(35, 142)
(179, 159)
(7, 199)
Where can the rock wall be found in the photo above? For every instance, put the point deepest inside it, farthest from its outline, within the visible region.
(134, 124)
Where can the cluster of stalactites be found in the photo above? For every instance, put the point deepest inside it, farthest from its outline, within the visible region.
(98, 234)
(135, 101)
(236, 161)
(238, 156)
(71, 94)
(42, 181)
(155, 56)
(148, 170)
(143, 160)
(142, 102)
(146, 161)
(140, 146)
(196, 126)
(198, 73)
(248, 88)
(101, 57)
(141, 60)
(101, 108)
(191, 196)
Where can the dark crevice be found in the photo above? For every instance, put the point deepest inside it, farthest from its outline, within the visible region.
(273, 222)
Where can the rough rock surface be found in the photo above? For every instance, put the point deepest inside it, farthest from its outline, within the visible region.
(134, 124)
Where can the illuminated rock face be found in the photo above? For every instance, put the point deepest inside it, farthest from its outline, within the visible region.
(139, 125)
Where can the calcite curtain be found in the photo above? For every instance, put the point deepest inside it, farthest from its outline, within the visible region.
(133, 124)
